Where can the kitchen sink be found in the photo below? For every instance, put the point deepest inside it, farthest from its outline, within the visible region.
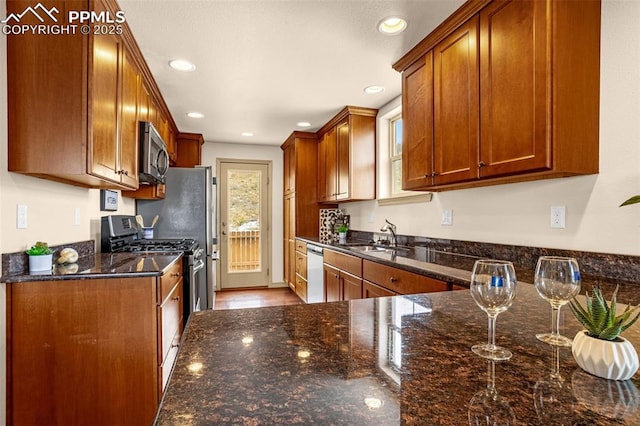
(380, 249)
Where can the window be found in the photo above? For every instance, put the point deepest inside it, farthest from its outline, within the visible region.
(395, 151)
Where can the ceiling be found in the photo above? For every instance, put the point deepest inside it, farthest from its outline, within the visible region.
(262, 66)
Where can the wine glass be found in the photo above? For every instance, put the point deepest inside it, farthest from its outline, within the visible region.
(557, 280)
(487, 407)
(493, 287)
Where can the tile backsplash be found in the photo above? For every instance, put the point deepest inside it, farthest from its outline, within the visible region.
(330, 219)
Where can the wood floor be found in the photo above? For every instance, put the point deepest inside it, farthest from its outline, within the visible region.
(240, 299)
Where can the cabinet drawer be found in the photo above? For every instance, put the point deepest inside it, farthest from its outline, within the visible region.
(344, 262)
(301, 265)
(168, 362)
(301, 287)
(301, 246)
(400, 281)
(169, 322)
(169, 280)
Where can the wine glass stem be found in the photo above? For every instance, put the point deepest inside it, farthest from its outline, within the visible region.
(555, 321)
(492, 331)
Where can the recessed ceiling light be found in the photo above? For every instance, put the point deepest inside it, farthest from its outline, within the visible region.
(304, 124)
(373, 90)
(247, 134)
(195, 114)
(182, 65)
(392, 25)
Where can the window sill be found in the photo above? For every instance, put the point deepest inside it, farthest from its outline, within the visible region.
(405, 199)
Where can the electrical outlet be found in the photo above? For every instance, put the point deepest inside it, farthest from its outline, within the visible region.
(370, 217)
(447, 217)
(76, 216)
(21, 222)
(558, 216)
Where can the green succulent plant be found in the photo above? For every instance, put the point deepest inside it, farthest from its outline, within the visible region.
(39, 249)
(599, 318)
(343, 228)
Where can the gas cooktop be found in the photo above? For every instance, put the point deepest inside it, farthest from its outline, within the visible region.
(159, 245)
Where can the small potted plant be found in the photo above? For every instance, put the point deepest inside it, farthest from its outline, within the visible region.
(40, 257)
(342, 233)
(600, 350)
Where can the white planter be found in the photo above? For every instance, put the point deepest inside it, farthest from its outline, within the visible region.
(40, 263)
(342, 237)
(616, 360)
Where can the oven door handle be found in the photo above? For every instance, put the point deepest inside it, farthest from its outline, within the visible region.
(199, 265)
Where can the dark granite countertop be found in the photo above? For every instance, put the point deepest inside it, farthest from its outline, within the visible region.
(456, 267)
(106, 265)
(409, 356)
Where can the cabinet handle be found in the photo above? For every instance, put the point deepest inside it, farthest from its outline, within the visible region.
(482, 164)
(393, 279)
(175, 274)
(175, 345)
(177, 298)
(434, 174)
(335, 275)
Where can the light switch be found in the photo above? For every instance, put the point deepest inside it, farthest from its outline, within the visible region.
(21, 217)
(76, 216)
(447, 217)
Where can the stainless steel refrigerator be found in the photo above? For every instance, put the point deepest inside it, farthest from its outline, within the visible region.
(188, 211)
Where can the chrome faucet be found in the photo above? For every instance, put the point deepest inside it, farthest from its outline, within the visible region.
(388, 226)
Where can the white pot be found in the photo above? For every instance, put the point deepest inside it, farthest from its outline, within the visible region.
(342, 237)
(40, 263)
(617, 360)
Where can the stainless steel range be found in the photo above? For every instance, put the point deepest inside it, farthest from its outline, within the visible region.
(119, 233)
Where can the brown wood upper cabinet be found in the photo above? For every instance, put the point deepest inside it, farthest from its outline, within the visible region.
(503, 91)
(347, 156)
(189, 149)
(77, 122)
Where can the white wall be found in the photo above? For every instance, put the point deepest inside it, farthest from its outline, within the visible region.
(519, 213)
(212, 151)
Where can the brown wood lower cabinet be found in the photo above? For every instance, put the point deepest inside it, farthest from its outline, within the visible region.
(400, 281)
(342, 276)
(370, 290)
(96, 351)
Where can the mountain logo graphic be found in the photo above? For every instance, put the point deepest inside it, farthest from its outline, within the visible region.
(43, 11)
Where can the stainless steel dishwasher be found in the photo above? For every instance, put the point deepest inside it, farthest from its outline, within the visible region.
(315, 278)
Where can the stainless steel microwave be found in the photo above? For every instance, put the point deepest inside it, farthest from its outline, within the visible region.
(154, 158)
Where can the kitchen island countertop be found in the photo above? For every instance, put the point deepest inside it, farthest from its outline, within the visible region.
(384, 361)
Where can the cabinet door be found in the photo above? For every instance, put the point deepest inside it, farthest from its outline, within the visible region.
(289, 240)
(343, 164)
(513, 85)
(331, 170)
(370, 290)
(322, 169)
(456, 105)
(104, 105)
(332, 287)
(289, 165)
(417, 122)
(351, 285)
(128, 155)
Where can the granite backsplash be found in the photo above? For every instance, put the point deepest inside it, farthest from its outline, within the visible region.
(14, 263)
(610, 266)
